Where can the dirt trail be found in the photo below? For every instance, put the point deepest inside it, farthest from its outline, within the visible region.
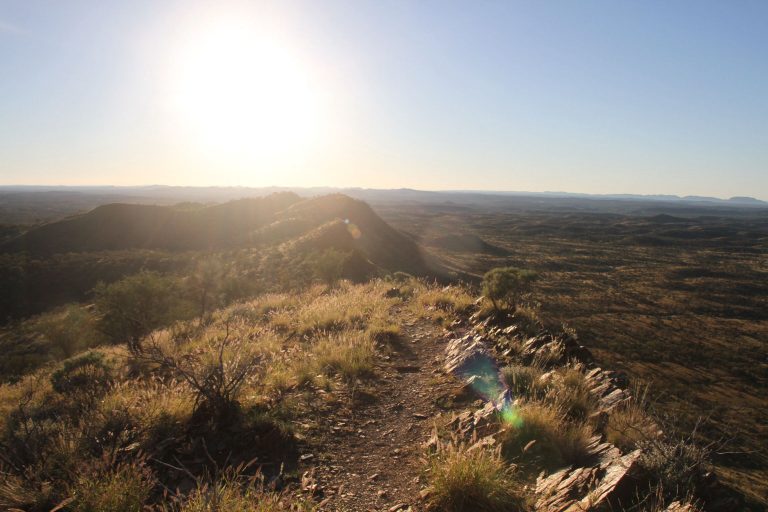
(371, 454)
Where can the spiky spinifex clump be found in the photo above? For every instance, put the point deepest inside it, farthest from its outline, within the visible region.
(522, 381)
(347, 355)
(545, 437)
(234, 490)
(111, 487)
(463, 480)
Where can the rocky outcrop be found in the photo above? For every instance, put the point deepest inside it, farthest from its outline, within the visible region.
(612, 479)
(608, 483)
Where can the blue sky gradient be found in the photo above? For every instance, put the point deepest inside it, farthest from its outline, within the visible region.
(588, 96)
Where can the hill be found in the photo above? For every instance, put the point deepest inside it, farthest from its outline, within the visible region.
(137, 226)
(277, 218)
(388, 395)
(279, 237)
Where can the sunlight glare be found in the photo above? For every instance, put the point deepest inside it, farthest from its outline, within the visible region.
(244, 94)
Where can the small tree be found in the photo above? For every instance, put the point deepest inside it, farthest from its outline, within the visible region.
(507, 284)
(69, 330)
(133, 307)
(205, 283)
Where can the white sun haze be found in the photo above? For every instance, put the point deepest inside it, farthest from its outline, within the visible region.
(243, 95)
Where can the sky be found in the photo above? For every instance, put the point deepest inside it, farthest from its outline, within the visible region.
(587, 96)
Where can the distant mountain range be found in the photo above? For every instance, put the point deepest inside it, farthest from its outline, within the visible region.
(224, 193)
(35, 205)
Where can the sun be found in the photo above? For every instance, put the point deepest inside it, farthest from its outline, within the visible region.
(243, 93)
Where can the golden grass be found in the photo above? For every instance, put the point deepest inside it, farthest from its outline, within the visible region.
(111, 488)
(383, 331)
(629, 424)
(440, 304)
(152, 407)
(231, 493)
(571, 394)
(523, 381)
(545, 438)
(346, 355)
(347, 306)
(464, 480)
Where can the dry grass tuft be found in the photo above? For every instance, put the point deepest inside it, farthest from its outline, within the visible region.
(629, 424)
(234, 491)
(523, 381)
(384, 331)
(545, 438)
(111, 487)
(347, 355)
(462, 479)
(572, 394)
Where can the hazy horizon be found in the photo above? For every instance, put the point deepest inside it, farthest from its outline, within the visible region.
(351, 188)
(595, 97)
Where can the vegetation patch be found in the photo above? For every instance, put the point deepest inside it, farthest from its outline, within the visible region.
(543, 437)
(465, 479)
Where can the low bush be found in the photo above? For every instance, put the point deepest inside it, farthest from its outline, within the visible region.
(135, 306)
(572, 394)
(677, 467)
(629, 424)
(87, 375)
(328, 265)
(507, 285)
(68, 330)
(215, 366)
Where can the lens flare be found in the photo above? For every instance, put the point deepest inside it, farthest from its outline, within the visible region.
(483, 375)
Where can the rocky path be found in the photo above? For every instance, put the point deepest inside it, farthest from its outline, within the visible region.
(370, 455)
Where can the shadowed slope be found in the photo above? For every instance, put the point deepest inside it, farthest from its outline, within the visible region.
(133, 226)
(306, 225)
(356, 225)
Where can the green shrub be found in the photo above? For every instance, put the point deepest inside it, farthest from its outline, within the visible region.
(135, 306)
(69, 330)
(507, 285)
(328, 265)
(204, 284)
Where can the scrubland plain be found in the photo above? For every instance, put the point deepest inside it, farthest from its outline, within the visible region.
(678, 300)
